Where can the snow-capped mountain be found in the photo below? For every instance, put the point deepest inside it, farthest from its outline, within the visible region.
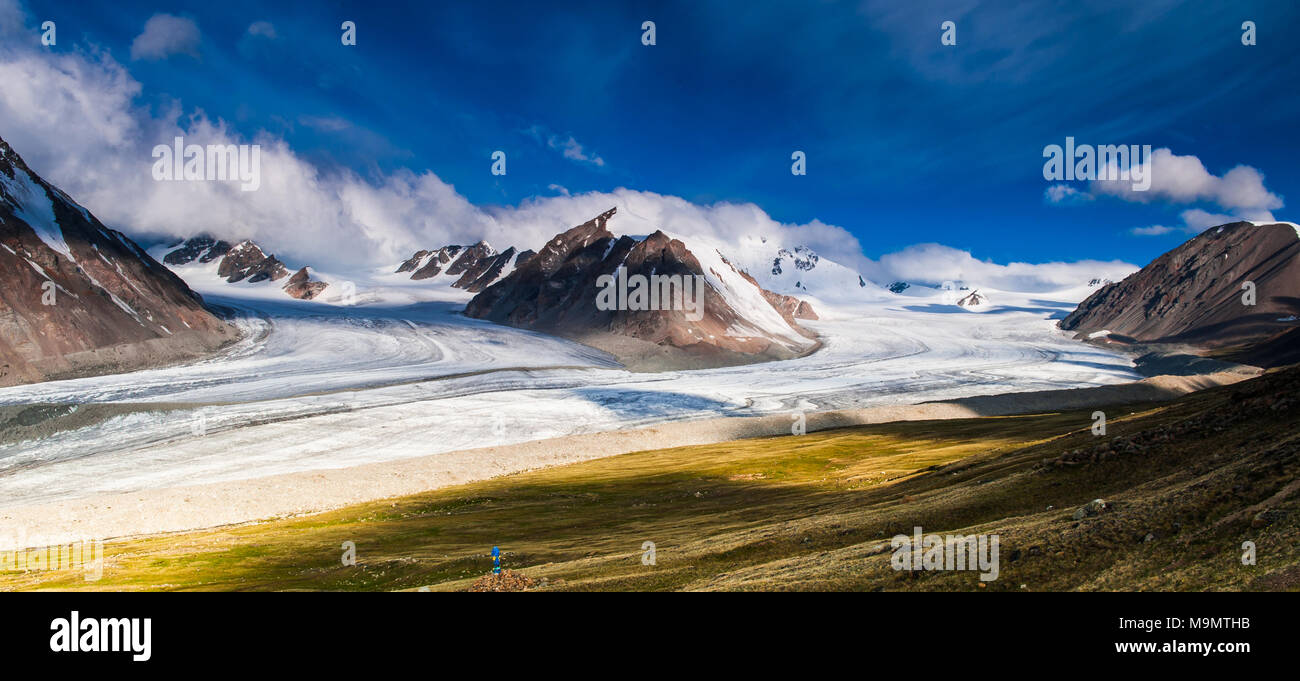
(79, 298)
(795, 270)
(472, 268)
(558, 291)
(243, 262)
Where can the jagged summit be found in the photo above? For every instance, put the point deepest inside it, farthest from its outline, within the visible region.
(560, 289)
(472, 268)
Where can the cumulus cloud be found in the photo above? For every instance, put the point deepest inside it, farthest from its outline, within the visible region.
(642, 212)
(1184, 179)
(76, 118)
(1238, 194)
(165, 35)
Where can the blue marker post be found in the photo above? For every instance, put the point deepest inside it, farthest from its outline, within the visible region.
(496, 560)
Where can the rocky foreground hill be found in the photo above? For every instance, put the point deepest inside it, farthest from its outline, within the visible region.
(79, 298)
(559, 291)
(1232, 290)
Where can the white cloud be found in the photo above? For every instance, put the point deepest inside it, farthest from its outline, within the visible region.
(565, 144)
(74, 117)
(1184, 179)
(165, 35)
(574, 151)
(1153, 230)
(1240, 193)
(642, 212)
(935, 263)
(262, 28)
(1196, 220)
(1064, 193)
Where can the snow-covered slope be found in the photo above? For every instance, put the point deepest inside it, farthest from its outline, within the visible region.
(794, 270)
(336, 386)
(205, 259)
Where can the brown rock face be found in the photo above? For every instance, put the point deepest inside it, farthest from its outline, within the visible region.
(1193, 294)
(476, 267)
(200, 248)
(412, 262)
(247, 261)
(79, 298)
(557, 291)
(791, 308)
(302, 287)
(479, 266)
(440, 258)
(972, 299)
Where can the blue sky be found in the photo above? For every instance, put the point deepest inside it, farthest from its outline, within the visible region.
(907, 140)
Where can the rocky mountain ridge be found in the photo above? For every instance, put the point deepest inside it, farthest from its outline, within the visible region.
(80, 298)
(558, 291)
(1228, 289)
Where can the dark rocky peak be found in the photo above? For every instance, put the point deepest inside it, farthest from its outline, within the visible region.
(302, 286)
(202, 249)
(246, 260)
(436, 260)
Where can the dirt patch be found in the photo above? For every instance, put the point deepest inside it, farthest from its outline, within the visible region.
(508, 580)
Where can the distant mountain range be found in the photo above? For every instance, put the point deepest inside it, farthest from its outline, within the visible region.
(80, 298)
(243, 262)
